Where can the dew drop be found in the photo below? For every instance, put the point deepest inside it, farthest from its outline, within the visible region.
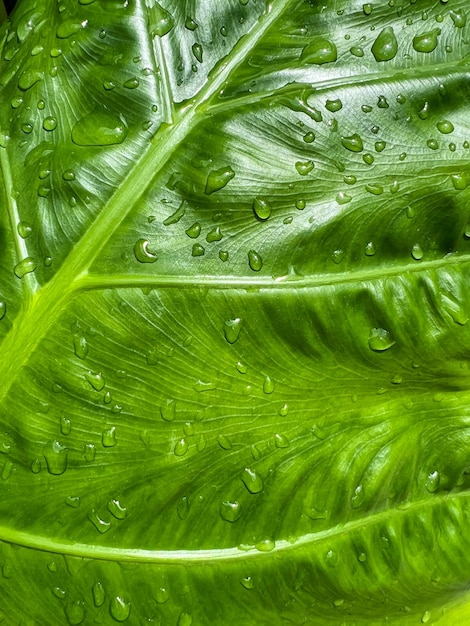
(190, 24)
(70, 27)
(89, 452)
(343, 198)
(417, 252)
(353, 143)
(65, 425)
(224, 442)
(98, 594)
(80, 346)
(197, 51)
(75, 613)
(232, 329)
(433, 481)
(160, 21)
(357, 51)
(252, 480)
(433, 144)
(385, 47)
(319, 51)
(142, 252)
(247, 582)
(72, 501)
(214, 235)
(426, 617)
(459, 18)
(99, 129)
(266, 545)
(6, 470)
(116, 509)
(96, 380)
(304, 167)
(131, 83)
(198, 250)
(29, 78)
(218, 179)
(26, 266)
(101, 525)
(261, 208)
(445, 127)
(281, 441)
(369, 249)
(181, 447)
(194, 231)
(56, 457)
(185, 619)
(426, 42)
(161, 595)
(309, 137)
(108, 437)
(230, 511)
(331, 558)
(255, 261)
(119, 609)
(168, 410)
(357, 499)
(380, 340)
(49, 123)
(68, 175)
(460, 181)
(268, 385)
(334, 105)
(24, 229)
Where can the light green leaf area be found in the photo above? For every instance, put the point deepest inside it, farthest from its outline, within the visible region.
(234, 268)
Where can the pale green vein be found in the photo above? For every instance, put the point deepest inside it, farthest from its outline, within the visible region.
(164, 81)
(90, 281)
(137, 555)
(29, 281)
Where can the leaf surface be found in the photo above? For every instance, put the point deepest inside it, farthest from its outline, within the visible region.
(234, 269)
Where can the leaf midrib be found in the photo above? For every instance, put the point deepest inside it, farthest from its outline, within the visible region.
(186, 557)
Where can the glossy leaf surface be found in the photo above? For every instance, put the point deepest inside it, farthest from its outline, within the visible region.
(234, 273)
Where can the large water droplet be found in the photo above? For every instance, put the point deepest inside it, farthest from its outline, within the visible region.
(119, 609)
(445, 127)
(99, 129)
(218, 179)
(56, 457)
(26, 266)
(380, 340)
(255, 261)
(232, 329)
(426, 42)
(160, 20)
(75, 613)
(319, 51)
(432, 482)
(230, 511)
(70, 27)
(385, 47)
(252, 480)
(353, 143)
(98, 594)
(96, 380)
(261, 208)
(459, 18)
(142, 252)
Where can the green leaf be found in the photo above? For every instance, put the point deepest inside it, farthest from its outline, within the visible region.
(234, 312)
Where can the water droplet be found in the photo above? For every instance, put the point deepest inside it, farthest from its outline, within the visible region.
(230, 511)
(24, 229)
(369, 249)
(319, 51)
(27, 128)
(331, 558)
(35, 466)
(75, 613)
(252, 480)
(224, 442)
(358, 498)
(362, 557)
(70, 27)
(6, 470)
(357, 51)
(433, 144)
(185, 619)
(142, 252)
(268, 385)
(281, 441)
(96, 380)
(380, 340)
(417, 252)
(68, 175)
(255, 261)
(190, 24)
(304, 167)
(385, 47)
(59, 592)
(197, 51)
(89, 452)
(367, 8)
(459, 18)
(181, 447)
(198, 250)
(232, 329)
(56, 457)
(214, 235)
(460, 181)
(49, 123)
(131, 83)
(98, 594)
(266, 545)
(454, 308)
(309, 137)
(101, 525)
(168, 410)
(445, 127)
(247, 582)
(161, 595)
(194, 231)
(218, 179)
(261, 208)
(65, 425)
(343, 198)
(99, 129)
(380, 146)
(426, 42)
(119, 609)
(108, 437)
(334, 105)
(374, 189)
(80, 346)
(353, 143)
(116, 509)
(72, 501)
(29, 78)
(26, 266)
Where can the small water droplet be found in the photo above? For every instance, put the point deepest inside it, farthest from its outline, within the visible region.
(309, 137)
(385, 47)
(252, 480)
(131, 83)
(426, 42)
(369, 249)
(6, 470)
(218, 179)
(49, 123)
(357, 51)
(96, 380)
(230, 511)
(181, 447)
(101, 525)
(353, 143)
(319, 51)
(89, 452)
(99, 129)
(116, 509)
(198, 250)
(161, 595)
(120, 609)
(268, 385)
(380, 340)
(35, 466)
(261, 208)
(417, 252)
(266, 545)
(185, 619)
(232, 329)
(331, 558)
(168, 410)
(72, 501)
(281, 441)
(357, 499)
(26, 266)
(65, 425)
(197, 51)
(142, 252)
(334, 105)
(190, 24)
(108, 437)
(343, 198)
(194, 231)
(224, 442)
(304, 167)
(56, 457)
(433, 144)
(70, 27)
(426, 617)
(214, 235)
(75, 613)
(80, 346)
(255, 261)
(98, 594)
(445, 127)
